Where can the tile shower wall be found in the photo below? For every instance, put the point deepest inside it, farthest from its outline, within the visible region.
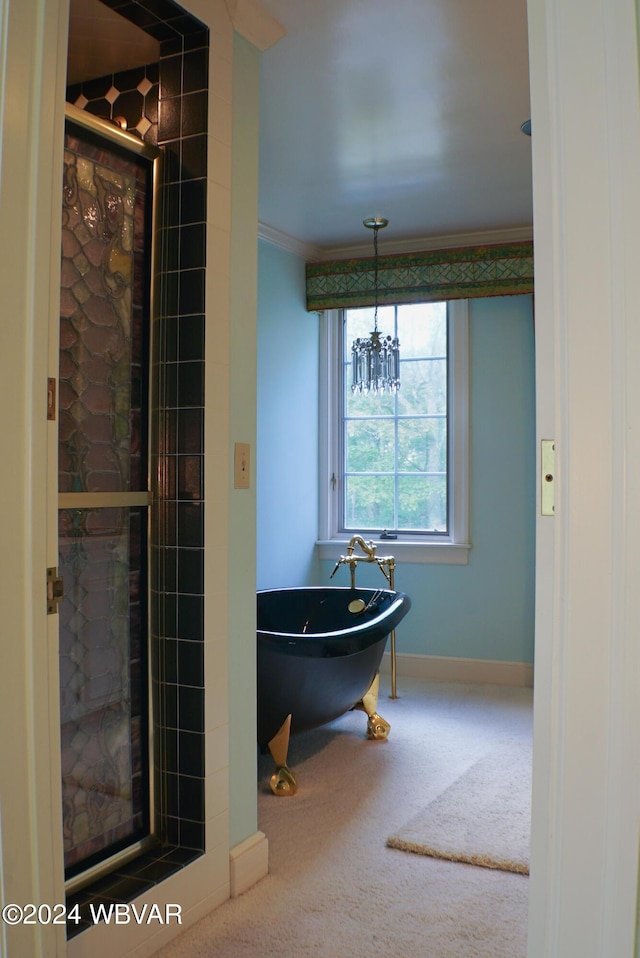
(166, 104)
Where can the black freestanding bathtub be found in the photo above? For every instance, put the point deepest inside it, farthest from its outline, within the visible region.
(319, 651)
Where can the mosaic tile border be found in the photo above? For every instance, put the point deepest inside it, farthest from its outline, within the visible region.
(132, 94)
(464, 273)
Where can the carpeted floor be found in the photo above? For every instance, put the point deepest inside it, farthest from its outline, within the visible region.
(334, 887)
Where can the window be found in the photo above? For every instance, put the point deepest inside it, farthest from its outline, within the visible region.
(395, 464)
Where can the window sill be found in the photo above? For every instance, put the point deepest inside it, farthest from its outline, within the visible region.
(440, 553)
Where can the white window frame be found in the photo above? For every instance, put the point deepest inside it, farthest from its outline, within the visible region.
(450, 549)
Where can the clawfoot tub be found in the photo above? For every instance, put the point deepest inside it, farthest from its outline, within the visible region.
(319, 654)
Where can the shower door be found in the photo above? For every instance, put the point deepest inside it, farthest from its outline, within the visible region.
(104, 503)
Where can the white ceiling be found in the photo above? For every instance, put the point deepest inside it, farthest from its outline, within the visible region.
(408, 109)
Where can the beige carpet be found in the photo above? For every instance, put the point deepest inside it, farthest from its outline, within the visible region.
(482, 819)
(335, 888)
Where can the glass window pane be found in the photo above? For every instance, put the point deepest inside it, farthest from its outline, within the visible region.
(422, 445)
(102, 672)
(423, 387)
(405, 432)
(422, 330)
(422, 503)
(369, 502)
(367, 404)
(370, 445)
(360, 323)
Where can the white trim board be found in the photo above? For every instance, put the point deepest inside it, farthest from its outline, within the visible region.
(248, 863)
(442, 668)
(585, 110)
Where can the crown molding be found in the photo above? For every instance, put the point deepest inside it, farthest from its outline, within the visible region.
(312, 253)
(250, 19)
(523, 234)
(306, 251)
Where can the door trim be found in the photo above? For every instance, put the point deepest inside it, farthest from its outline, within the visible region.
(586, 791)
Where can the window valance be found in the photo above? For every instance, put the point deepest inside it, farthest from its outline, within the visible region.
(464, 273)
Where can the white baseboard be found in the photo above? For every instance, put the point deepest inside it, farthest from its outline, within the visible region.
(248, 863)
(440, 668)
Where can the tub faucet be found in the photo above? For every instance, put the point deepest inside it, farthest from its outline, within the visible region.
(349, 559)
(367, 547)
(387, 565)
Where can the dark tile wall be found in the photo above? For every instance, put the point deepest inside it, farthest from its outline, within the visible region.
(132, 95)
(166, 104)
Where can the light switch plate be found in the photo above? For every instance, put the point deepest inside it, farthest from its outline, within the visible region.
(241, 465)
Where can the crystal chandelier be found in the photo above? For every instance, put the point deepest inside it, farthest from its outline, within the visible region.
(375, 362)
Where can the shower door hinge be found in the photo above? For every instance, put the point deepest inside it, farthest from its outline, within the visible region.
(51, 398)
(55, 590)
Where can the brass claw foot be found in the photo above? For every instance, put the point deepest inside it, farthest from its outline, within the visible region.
(283, 782)
(377, 727)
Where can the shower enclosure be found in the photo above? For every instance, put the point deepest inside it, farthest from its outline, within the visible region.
(104, 501)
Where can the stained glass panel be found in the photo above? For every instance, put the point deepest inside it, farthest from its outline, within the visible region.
(101, 304)
(102, 667)
(104, 318)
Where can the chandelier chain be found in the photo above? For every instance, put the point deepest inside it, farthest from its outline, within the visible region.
(375, 361)
(375, 275)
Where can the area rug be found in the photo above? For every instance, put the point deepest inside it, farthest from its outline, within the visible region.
(483, 818)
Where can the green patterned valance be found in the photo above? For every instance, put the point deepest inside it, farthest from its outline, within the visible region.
(422, 277)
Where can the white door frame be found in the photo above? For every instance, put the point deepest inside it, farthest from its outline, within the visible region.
(586, 162)
(586, 174)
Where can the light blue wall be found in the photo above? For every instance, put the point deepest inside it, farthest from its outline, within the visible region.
(496, 614)
(483, 610)
(287, 451)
